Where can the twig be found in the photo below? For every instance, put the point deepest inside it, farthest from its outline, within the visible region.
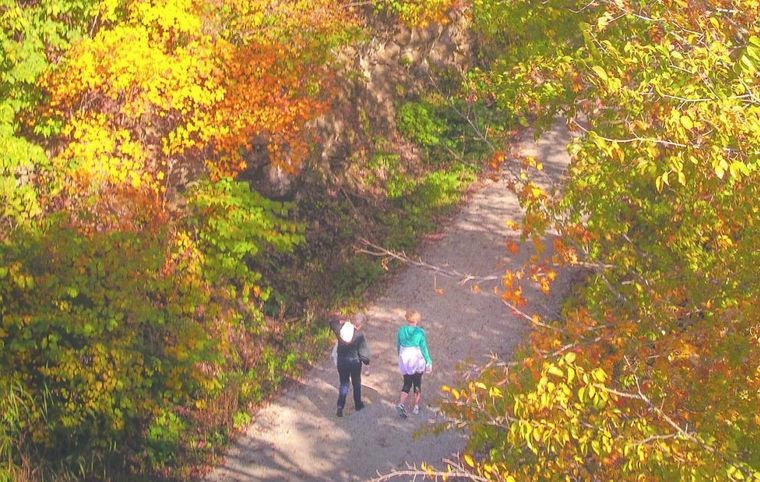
(632, 139)
(518, 311)
(457, 470)
(655, 437)
(641, 397)
(570, 346)
(450, 273)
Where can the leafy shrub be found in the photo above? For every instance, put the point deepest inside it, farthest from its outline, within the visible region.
(164, 437)
(113, 329)
(416, 13)
(422, 202)
(450, 130)
(653, 370)
(443, 189)
(420, 123)
(352, 279)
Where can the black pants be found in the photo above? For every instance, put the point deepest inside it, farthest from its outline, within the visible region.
(410, 380)
(354, 372)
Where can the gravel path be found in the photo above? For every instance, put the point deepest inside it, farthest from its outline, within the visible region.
(298, 437)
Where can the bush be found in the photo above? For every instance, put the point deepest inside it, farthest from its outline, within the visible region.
(419, 122)
(653, 370)
(416, 13)
(449, 130)
(109, 332)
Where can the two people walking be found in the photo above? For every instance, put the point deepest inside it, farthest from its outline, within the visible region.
(351, 352)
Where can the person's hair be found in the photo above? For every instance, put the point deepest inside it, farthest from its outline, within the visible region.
(359, 319)
(335, 316)
(413, 316)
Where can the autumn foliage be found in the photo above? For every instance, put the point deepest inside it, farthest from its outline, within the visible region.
(129, 289)
(418, 13)
(131, 254)
(653, 369)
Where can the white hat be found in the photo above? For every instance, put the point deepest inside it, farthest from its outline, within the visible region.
(347, 332)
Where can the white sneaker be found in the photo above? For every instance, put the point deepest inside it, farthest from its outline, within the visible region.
(416, 410)
(401, 410)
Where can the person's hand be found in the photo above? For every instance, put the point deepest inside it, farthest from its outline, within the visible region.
(429, 368)
(366, 370)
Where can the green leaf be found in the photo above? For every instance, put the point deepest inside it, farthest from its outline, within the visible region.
(600, 72)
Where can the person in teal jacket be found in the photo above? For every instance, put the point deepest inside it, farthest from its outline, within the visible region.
(413, 360)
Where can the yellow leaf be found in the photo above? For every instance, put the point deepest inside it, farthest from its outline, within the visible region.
(468, 458)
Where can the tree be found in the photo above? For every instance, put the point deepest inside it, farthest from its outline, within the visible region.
(129, 288)
(655, 367)
(31, 35)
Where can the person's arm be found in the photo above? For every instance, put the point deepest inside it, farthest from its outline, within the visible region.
(424, 349)
(363, 351)
(335, 326)
(398, 341)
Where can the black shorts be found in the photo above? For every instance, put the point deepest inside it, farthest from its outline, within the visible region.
(410, 380)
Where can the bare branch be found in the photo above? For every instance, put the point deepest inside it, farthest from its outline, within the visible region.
(632, 139)
(651, 140)
(532, 320)
(682, 432)
(652, 438)
(464, 278)
(373, 249)
(456, 471)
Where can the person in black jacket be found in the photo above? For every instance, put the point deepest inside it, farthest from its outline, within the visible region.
(352, 352)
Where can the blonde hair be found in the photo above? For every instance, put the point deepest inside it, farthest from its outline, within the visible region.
(359, 319)
(413, 316)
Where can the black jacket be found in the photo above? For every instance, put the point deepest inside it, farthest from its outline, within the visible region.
(354, 351)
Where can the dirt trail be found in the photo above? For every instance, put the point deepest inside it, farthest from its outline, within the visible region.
(298, 437)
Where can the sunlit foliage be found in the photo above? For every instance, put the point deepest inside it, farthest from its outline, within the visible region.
(129, 289)
(654, 369)
(418, 13)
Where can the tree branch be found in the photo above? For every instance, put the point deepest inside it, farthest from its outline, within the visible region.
(457, 471)
(375, 250)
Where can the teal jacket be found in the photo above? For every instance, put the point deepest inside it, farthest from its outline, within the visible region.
(413, 336)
